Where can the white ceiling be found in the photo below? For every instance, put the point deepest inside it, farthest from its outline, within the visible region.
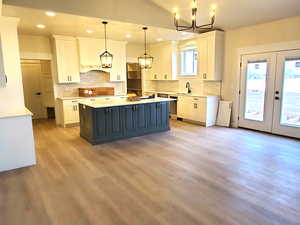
(73, 25)
(235, 13)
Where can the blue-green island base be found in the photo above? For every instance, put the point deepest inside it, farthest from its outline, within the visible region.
(101, 125)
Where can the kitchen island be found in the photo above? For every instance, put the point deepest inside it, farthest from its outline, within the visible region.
(104, 121)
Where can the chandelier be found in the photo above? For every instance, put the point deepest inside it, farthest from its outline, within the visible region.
(146, 60)
(106, 58)
(194, 27)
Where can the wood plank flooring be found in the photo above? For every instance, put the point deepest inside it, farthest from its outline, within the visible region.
(188, 176)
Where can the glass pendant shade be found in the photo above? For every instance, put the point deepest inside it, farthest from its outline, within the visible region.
(145, 61)
(106, 59)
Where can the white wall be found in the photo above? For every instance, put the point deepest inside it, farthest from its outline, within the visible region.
(35, 47)
(262, 34)
(11, 97)
(0, 7)
(134, 50)
(133, 11)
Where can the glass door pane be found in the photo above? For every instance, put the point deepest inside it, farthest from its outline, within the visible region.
(290, 106)
(256, 79)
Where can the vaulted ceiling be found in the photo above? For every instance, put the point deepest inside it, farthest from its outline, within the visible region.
(235, 13)
(230, 13)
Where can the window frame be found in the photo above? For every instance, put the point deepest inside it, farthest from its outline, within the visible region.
(181, 51)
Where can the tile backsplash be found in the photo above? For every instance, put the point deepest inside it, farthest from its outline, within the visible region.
(198, 86)
(89, 79)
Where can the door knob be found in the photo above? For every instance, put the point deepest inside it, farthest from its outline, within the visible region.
(276, 92)
(276, 98)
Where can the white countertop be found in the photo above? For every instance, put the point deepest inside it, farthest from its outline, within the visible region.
(119, 102)
(78, 97)
(180, 93)
(21, 112)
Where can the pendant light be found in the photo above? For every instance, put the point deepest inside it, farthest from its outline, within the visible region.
(146, 60)
(106, 58)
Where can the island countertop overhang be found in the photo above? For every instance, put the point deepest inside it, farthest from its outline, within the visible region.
(124, 102)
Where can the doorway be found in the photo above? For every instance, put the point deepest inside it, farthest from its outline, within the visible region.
(38, 87)
(270, 92)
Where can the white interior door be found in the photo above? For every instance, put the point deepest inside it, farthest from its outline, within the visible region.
(287, 94)
(31, 74)
(257, 91)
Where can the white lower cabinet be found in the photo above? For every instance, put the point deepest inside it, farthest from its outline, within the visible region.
(71, 111)
(202, 109)
(67, 112)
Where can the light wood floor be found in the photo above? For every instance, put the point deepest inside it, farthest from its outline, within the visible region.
(187, 176)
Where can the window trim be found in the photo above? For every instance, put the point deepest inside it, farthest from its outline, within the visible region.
(185, 48)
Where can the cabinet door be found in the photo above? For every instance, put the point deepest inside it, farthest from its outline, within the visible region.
(71, 113)
(67, 61)
(100, 123)
(113, 122)
(129, 120)
(162, 114)
(118, 71)
(151, 116)
(203, 57)
(199, 110)
(185, 108)
(140, 117)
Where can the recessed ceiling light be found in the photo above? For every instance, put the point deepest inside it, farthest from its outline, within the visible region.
(40, 26)
(159, 39)
(50, 13)
(128, 35)
(89, 31)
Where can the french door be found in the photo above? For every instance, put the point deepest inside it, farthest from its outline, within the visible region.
(270, 92)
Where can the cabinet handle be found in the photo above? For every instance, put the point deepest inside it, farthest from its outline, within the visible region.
(195, 105)
(204, 76)
(166, 76)
(155, 76)
(5, 79)
(118, 77)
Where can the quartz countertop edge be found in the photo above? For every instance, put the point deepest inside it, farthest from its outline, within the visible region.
(17, 113)
(78, 97)
(181, 94)
(113, 104)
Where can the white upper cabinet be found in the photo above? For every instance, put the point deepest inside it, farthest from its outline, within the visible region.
(164, 65)
(67, 60)
(118, 70)
(90, 50)
(210, 54)
(2, 71)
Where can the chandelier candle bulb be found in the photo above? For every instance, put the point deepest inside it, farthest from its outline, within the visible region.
(194, 5)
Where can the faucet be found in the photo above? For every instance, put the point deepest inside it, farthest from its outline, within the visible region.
(188, 86)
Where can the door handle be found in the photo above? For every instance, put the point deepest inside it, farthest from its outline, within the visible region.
(277, 92)
(277, 98)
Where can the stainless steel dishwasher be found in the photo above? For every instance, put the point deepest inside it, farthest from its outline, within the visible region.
(173, 104)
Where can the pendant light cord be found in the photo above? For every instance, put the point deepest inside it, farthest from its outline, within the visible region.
(105, 36)
(145, 42)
